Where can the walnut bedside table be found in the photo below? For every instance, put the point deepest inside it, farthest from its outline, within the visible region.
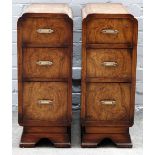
(45, 34)
(109, 50)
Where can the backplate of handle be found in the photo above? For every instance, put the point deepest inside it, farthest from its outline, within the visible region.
(108, 102)
(45, 101)
(44, 63)
(110, 31)
(45, 31)
(109, 63)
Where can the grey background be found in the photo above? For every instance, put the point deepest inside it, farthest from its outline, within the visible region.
(134, 6)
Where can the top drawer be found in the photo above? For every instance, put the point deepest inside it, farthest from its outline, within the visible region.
(46, 31)
(109, 31)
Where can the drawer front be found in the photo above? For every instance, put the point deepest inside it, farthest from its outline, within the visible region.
(109, 63)
(109, 31)
(108, 101)
(46, 31)
(46, 63)
(45, 101)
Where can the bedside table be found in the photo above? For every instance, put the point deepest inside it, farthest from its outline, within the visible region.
(45, 38)
(109, 53)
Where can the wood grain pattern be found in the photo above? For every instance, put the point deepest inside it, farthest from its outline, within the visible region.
(95, 27)
(96, 68)
(35, 91)
(47, 129)
(106, 130)
(94, 139)
(101, 121)
(48, 83)
(58, 56)
(61, 27)
(96, 92)
(30, 140)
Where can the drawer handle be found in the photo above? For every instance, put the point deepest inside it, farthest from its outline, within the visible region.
(44, 63)
(110, 64)
(45, 101)
(45, 31)
(108, 102)
(110, 31)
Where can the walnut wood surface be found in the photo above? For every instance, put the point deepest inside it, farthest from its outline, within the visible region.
(97, 92)
(58, 56)
(96, 69)
(100, 121)
(123, 26)
(93, 140)
(54, 129)
(61, 27)
(31, 137)
(54, 82)
(35, 91)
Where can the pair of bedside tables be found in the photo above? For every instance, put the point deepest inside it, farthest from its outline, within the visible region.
(109, 48)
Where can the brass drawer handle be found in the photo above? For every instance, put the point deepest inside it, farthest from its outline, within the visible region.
(110, 31)
(110, 64)
(108, 102)
(45, 31)
(44, 63)
(45, 101)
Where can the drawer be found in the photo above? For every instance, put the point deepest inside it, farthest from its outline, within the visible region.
(46, 31)
(45, 101)
(114, 64)
(108, 101)
(46, 62)
(109, 31)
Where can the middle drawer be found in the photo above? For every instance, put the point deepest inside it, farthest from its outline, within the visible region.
(46, 62)
(114, 64)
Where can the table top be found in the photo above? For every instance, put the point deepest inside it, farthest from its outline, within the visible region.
(49, 8)
(104, 8)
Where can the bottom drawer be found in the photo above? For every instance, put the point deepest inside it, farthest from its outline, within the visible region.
(45, 101)
(108, 101)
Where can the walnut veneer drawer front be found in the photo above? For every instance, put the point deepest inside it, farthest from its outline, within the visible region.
(109, 31)
(46, 31)
(46, 101)
(109, 64)
(108, 101)
(46, 62)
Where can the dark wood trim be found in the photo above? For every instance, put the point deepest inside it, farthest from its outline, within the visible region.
(45, 123)
(134, 64)
(20, 67)
(83, 71)
(113, 80)
(45, 79)
(70, 55)
(106, 123)
(109, 16)
(109, 46)
(31, 45)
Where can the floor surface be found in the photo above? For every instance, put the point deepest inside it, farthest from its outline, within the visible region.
(107, 149)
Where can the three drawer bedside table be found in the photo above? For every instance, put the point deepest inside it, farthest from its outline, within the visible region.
(109, 54)
(45, 38)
